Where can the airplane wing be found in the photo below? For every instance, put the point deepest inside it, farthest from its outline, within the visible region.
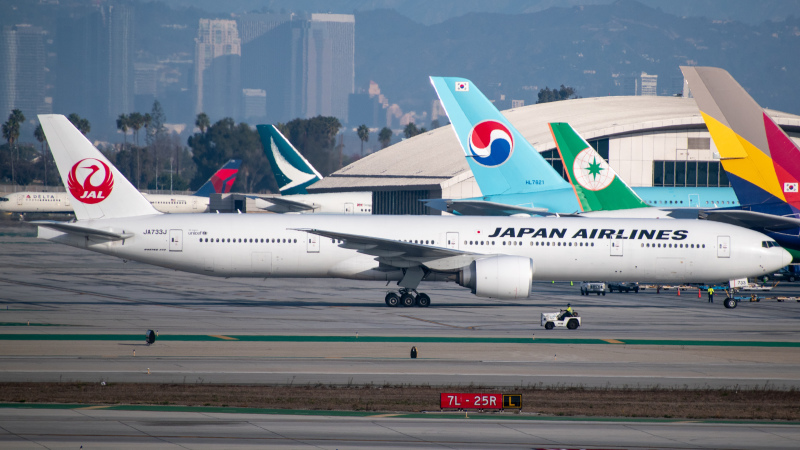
(72, 228)
(287, 205)
(483, 208)
(402, 254)
(752, 219)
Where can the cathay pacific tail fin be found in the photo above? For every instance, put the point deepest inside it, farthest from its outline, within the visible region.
(222, 180)
(292, 171)
(596, 184)
(762, 162)
(95, 187)
(501, 159)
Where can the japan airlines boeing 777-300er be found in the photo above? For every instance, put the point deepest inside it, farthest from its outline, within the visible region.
(60, 202)
(495, 257)
(294, 173)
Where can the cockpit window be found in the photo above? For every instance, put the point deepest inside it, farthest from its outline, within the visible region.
(3, 199)
(769, 244)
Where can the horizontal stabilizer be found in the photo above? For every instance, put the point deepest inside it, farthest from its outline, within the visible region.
(483, 208)
(283, 204)
(751, 219)
(75, 229)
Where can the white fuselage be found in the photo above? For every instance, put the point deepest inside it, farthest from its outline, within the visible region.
(560, 248)
(324, 203)
(59, 202)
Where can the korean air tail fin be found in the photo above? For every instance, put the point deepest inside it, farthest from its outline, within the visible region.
(596, 184)
(96, 189)
(292, 171)
(762, 162)
(222, 180)
(501, 159)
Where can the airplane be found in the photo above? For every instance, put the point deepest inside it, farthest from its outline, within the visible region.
(599, 190)
(60, 202)
(762, 161)
(513, 177)
(495, 257)
(294, 173)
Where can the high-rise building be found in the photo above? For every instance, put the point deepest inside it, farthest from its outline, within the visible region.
(647, 85)
(120, 59)
(330, 65)
(22, 71)
(218, 51)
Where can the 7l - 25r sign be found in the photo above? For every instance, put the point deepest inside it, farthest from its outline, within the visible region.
(471, 401)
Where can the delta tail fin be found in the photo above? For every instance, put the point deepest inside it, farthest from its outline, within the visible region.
(501, 159)
(292, 171)
(596, 184)
(96, 189)
(762, 162)
(222, 180)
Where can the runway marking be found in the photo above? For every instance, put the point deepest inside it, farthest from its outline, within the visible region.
(95, 407)
(386, 415)
(226, 338)
(437, 323)
(613, 341)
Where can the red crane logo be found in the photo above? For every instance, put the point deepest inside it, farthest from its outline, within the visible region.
(89, 171)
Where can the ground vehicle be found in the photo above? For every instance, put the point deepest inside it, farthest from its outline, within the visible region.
(623, 286)
(785, 274)
(561, 319)
(593, 287)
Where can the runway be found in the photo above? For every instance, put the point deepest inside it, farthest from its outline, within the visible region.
(72, 315)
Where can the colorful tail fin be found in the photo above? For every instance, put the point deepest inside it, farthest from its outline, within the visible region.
(292, 171)
(596, 184)
(762, 162)
(501, 159)
(95, 187)
(222, 180)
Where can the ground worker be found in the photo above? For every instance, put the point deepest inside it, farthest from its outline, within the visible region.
(710, 294)
(569, 311)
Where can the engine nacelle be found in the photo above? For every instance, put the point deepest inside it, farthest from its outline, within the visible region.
(505, 277)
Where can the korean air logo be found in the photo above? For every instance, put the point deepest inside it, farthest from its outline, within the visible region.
(790, 187)
(90, 181)
(490, 143)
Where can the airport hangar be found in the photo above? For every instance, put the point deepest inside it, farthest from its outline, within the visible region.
(649, 141)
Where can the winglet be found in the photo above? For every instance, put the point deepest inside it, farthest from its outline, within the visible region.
(596, 184)
(292, 171)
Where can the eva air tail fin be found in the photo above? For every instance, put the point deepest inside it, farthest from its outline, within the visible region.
(501, 159)
(762, 162)
(222, 180)
(596, 184)
(96, 189)
(292, 171)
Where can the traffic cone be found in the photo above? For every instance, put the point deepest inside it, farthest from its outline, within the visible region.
(679, 292)
(698, 293)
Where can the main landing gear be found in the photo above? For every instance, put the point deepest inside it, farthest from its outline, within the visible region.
(407, 298)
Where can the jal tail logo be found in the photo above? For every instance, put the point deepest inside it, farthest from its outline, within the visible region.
(490, 143)
(90, 181)
(223, 180)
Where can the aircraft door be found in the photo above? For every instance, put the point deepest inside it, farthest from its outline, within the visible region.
(66, 198)
(176, 240)
(348, 208)
(194, 203)
(19, 200)
(694, 200)
(452, 241)
(616, 248)
(723, 246)
(312, 243)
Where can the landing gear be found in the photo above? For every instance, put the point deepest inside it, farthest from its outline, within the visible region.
(407, 298)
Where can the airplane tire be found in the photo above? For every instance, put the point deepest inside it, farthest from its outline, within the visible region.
(392, 299)
(572, 324)
(548, 326)
(729, 303)
(407, 299)
(423, 301)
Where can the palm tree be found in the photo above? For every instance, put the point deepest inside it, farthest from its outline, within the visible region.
(38, 133)
(136, 123)
(123, 124)
(11, 134)
(363, 134)
(80, 123)
(385, 137)
(202, 122)
(410, 130)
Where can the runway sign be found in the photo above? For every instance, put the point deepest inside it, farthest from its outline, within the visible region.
(470, 401)
(512, 401)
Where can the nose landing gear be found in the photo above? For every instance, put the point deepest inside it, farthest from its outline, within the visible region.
(407, 298)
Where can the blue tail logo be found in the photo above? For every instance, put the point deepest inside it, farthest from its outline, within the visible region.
(491, 143)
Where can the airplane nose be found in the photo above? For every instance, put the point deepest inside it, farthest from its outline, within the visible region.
(786, 257)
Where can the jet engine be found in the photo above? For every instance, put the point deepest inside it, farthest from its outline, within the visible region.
(506, 277)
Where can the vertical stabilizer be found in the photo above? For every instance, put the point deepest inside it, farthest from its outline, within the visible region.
(501, 159)
(95, 188)
(292, 171)
(762, 162)
(596, 184)
(222, 180)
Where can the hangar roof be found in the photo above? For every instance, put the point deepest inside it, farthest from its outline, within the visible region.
(434, 159)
